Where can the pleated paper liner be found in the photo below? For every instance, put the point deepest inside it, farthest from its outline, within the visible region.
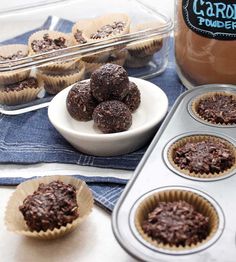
(200, 204)
(14, 220)
(90, 26)
(60, 65)
(197, 100)
(54, 83)
(198, 138)
(17, 97)
(117, 58)
(13, 76)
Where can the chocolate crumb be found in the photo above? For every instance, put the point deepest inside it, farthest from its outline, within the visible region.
(79, 37)
(109, 29)
(30, 82)
(17, 55)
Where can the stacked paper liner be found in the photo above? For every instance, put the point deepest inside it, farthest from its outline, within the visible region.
(198, 138)
(90, 26)
(200, 204)
(54, 83)
(11, 77)
(196, 101)
(16, 97)
(14, 220)
(119, 59)
(141, 52)
(53, 66)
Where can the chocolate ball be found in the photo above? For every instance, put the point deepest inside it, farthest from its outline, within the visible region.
(109, 82)
(112, 116)
(80, 102)
(132, 99)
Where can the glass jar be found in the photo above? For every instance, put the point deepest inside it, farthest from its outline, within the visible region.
(205, 41)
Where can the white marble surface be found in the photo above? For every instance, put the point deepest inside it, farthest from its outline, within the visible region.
(92, 241)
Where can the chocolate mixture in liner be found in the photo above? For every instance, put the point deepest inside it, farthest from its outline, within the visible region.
(107, 30)
(112, 116)
(204, 157)
(31, 82)
(132, 99)
(48, 44)
(80, 102)
(17, 55)
(176, 223)
(51, 206)
(218, 109)
(109, 82)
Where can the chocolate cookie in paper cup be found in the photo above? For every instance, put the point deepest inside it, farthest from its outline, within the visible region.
(54, 83)
(69, 200)
(21, 92)
(217, 108)
(98, 29)
(176, 220)
(141, 52)
(202, 156)
(45, 41)
(10, 54)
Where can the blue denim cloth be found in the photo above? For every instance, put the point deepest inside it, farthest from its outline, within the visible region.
(30, 138)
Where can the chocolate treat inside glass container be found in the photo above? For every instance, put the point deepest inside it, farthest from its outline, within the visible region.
(48, 44)
(18, 54)
(30, 82)
(204, 157)
(112, 116)
(176, 223)
(79, 37)
(51, 206)
(132, 99)
(80, 102)
(218, 109)
(109, 82)
(107, 30)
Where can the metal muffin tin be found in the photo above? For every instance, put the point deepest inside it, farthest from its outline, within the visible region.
(155, 173)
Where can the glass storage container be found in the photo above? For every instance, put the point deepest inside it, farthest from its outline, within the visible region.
(30, 77)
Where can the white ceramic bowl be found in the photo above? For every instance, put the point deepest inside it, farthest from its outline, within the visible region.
(84, 137)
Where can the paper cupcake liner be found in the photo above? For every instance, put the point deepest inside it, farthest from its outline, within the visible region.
(120, 60)
(53, 84)
(198, 138)
(53, 66)
(18, 97)
(11, 77)
(148, 46)
(196, 101)
(90, 26)
(200, 204)
(14, 220)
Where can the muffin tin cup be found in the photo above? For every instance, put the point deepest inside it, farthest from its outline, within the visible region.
(194, 103)
(54, 66)
(54, 83)
(14, 220)
(182, 140)
(16, 97)
(200, 201)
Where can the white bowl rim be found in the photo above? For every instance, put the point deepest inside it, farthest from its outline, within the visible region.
(129, 132)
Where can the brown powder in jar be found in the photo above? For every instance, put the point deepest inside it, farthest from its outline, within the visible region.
(203, 60)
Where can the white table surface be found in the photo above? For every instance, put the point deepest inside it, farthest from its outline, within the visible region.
(92, 241)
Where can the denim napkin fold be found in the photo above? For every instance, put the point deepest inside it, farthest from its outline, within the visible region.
(30, 138)
(106, 190)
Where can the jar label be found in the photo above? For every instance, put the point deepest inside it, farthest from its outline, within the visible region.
(211, 18)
